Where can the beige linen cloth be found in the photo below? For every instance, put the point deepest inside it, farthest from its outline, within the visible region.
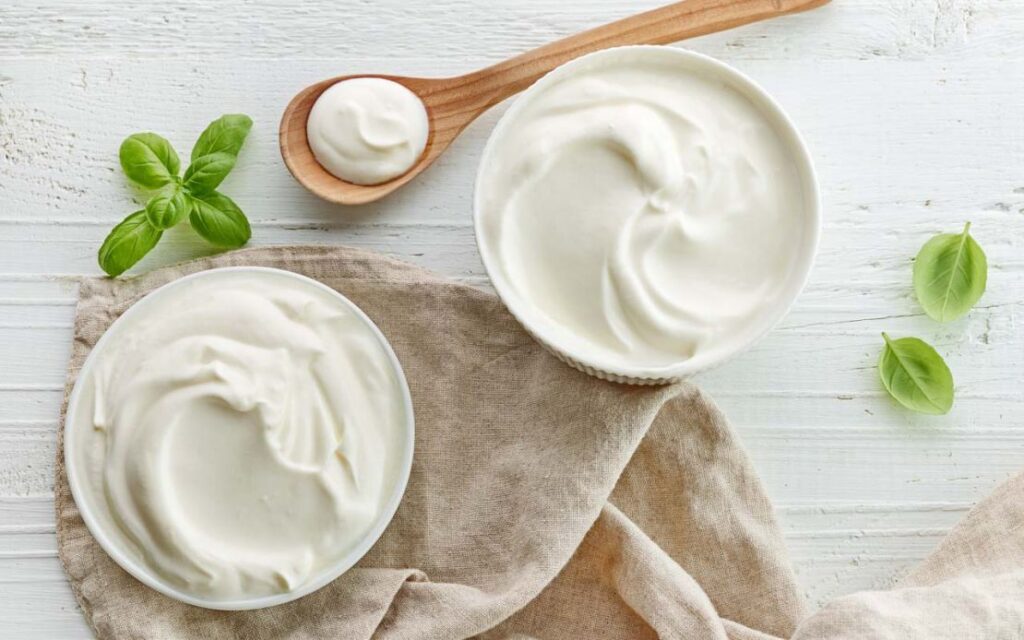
(547, 504)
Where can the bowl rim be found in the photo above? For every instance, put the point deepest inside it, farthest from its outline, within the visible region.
(796, 281)
(141, 572)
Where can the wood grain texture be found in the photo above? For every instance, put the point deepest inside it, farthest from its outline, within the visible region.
(912, 111)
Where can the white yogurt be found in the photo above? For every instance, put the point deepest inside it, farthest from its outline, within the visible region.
(638, 209)
(367, 130)
(238, 433)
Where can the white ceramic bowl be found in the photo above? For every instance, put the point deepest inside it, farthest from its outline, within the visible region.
(688, 61)
(127, 560)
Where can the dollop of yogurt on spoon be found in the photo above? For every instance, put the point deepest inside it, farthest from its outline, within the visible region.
(367, 130)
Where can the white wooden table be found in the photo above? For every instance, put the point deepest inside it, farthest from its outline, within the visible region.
(914, 112)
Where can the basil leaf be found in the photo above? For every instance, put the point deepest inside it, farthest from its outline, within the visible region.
(950, 274)
(218, 219)
(127, 243)
(149, 160)
(207, 172)
(168, 207)
(226, 134)
(916, 375)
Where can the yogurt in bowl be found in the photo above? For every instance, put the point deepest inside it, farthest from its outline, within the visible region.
(646, 212)
(239, 437)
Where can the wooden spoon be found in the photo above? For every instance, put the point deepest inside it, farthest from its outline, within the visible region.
(452, 103)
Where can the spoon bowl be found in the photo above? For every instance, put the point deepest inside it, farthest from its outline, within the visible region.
(453, 103)
(447, 119)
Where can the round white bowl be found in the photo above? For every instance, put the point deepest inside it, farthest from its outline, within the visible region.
(127, 560)
(806, 250)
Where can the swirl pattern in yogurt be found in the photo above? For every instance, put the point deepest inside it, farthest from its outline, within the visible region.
(239, 432)
(636, 210)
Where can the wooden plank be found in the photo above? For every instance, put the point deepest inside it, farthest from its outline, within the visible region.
(867, 123)
(474, 33)
(982, 348)
(38, 603)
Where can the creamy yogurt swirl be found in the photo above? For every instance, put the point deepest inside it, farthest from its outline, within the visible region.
(240, 432)
(367, 130)
(636, 210)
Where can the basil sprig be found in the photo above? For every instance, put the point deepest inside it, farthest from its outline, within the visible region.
(151, 162)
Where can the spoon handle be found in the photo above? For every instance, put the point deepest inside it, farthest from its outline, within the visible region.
(671, 23)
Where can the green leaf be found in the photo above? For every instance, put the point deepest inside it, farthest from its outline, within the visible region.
(149, 160)
(127, 243)
(226, 134)
(950, 273)
(916, 375)
(218, 219)
(168, 207)
(207, 172)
